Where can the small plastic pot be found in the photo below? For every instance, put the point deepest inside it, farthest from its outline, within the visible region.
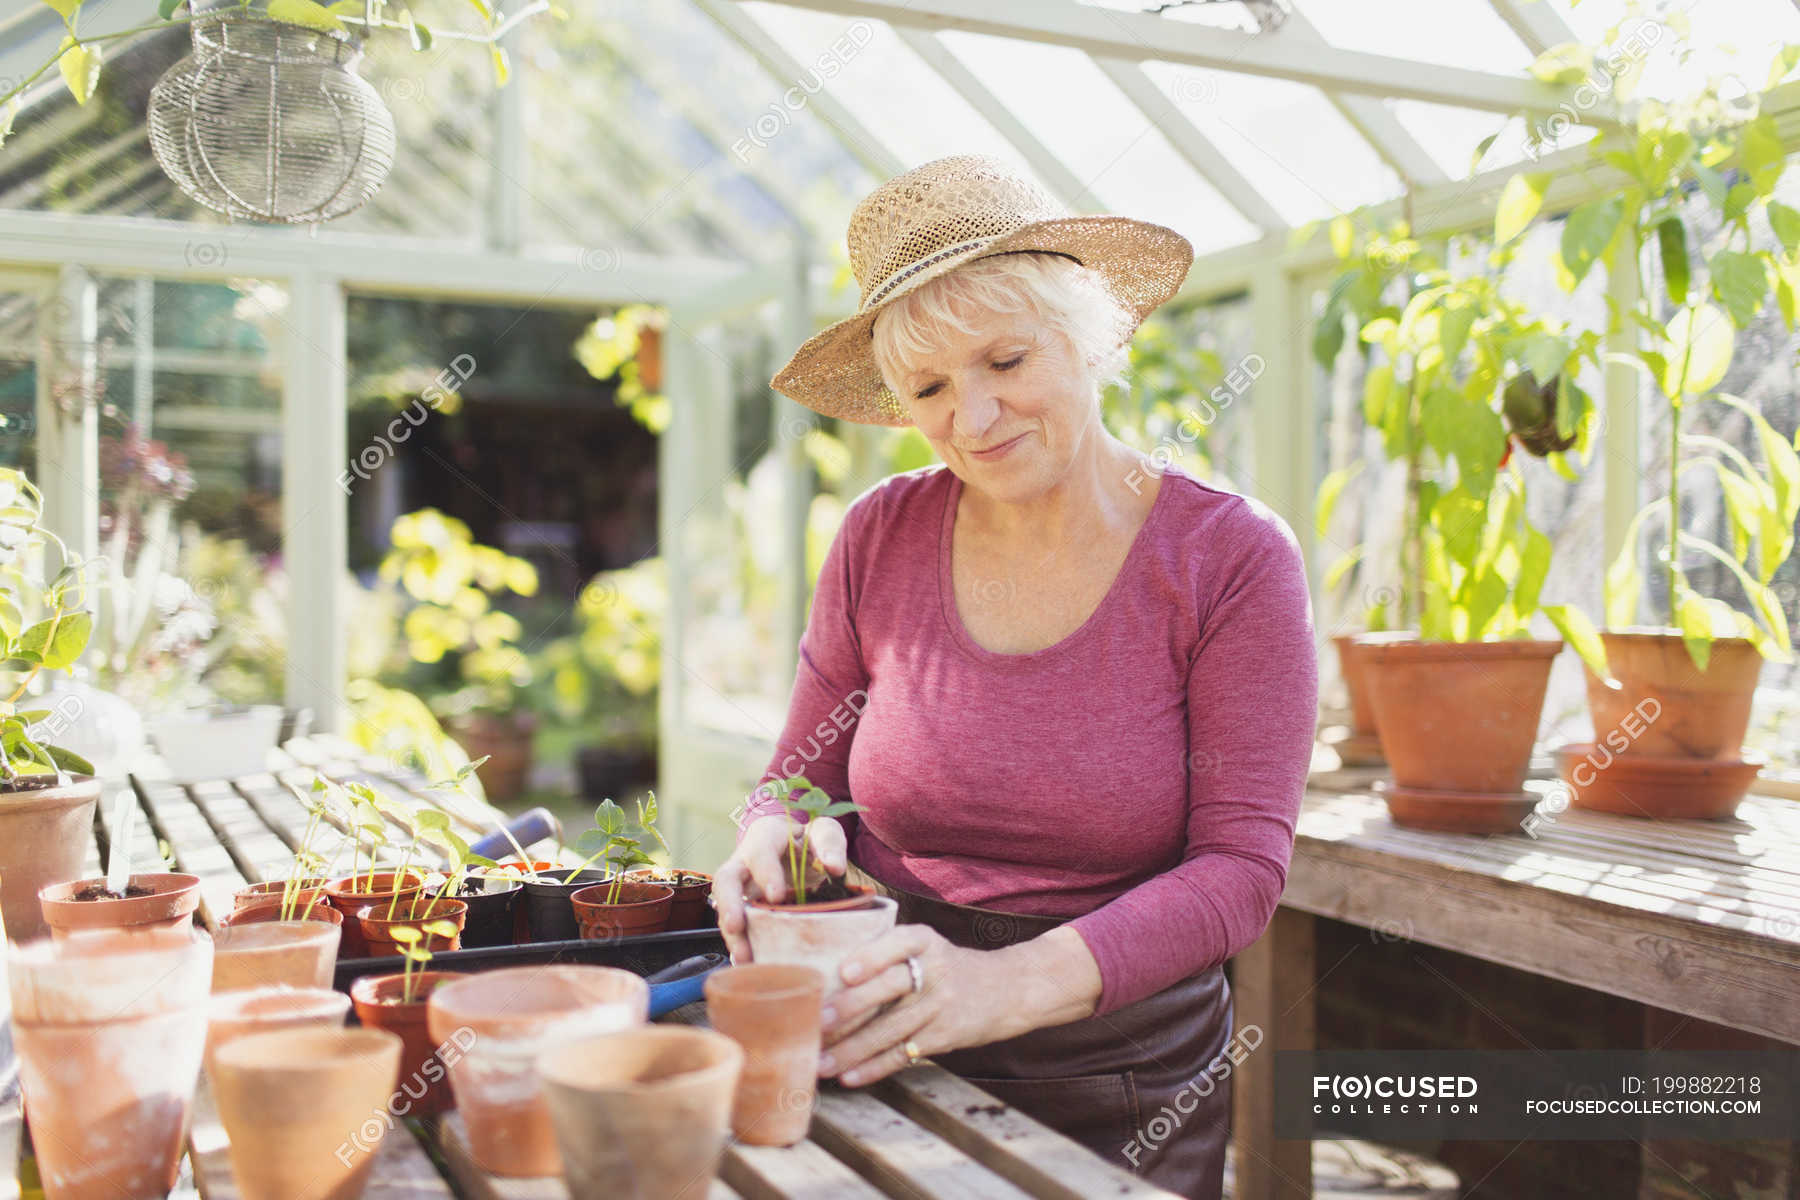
(642, 907)
(378, 927)
(353, 891)
(549, 915)
(168, 906)
(309, 894)
(424, 1086)
(492, 912)
(689, 909)
(270, 910)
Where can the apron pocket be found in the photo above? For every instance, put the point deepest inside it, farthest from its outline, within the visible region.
(1099, 1111)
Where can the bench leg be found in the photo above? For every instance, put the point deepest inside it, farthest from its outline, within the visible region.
(1272, 985)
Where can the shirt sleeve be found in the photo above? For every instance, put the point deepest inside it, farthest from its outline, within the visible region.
(830, 689)
(1252, 689)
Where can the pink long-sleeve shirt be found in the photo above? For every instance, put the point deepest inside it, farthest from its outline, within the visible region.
(1142, 776)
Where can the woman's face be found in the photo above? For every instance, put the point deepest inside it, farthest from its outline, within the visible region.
(1005, 407)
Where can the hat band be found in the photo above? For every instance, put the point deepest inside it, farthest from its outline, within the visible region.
(907, 272)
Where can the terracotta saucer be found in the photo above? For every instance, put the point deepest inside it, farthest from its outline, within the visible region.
(1658, 787)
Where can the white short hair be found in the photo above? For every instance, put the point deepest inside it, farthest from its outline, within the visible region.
(1053, 287)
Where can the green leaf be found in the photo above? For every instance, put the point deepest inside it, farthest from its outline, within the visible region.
(1534, 565)
(307, 13)
(165, 9)
(1740, 283)
(443, 929)
(418, 31)
(1460, 517)
(502, 65)
(1453, 330)
(1701, 342)
(1786, 224)
(1580, 633)
(1763, 154)
(1330, 491)
(69, 761)
(1587, 232)
(10, 618)
(1784, 463)
(63, 8)
(70, 639)
(80, 67)
(1694, 620)
(1520, 201)
(1343, 236)
(1378, 390)
(1671, 240)
(1566, 63)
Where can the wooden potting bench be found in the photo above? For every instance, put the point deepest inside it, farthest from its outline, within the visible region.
(921, 1133)
(1700, 918)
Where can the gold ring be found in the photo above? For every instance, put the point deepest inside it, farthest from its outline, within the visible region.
(912, 1052)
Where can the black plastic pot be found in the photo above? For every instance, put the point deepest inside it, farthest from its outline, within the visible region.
(490, 919)
(548, 912)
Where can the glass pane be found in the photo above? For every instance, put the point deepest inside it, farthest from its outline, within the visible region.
(18, 381)
(1459, 33)
(1062, 97)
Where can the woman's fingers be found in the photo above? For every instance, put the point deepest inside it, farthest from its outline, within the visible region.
(826, 837)
(728, 901)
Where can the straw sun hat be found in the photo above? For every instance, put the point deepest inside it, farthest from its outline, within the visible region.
(933, 219)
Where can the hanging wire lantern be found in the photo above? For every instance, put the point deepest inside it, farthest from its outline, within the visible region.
(269, 121)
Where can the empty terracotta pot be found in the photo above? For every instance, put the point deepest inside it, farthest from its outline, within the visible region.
(643, 1114)
(255, 954)
(378, 927)
(424, 1075)
(1362, 748)
(771, 1011)
(1664, 705)
(264, 1010)
(1654, 786)
(689, 909)
(305, 1110)
(514, 1014)
(110, 1029)
(167, 903)
(44, 836)
(308, 894)
(270, 910)
(352, 892)
(642, 907)
(818, 936)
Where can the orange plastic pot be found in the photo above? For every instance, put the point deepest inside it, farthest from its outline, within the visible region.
(642, 907)
(424, 1085)
(689, 909)
(378, 927)
(308, 895)
(352, 892)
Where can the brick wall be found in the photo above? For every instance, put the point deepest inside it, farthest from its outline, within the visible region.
(1377, 992)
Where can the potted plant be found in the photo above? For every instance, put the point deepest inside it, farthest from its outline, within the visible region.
(398, 1003)
(149, 903)
(620, 906)
(688, 909)
(47, 794)
(550, 891)
(488, 893)
(1457, 704)
(824, 919)
(361, 889)
(1671, 701)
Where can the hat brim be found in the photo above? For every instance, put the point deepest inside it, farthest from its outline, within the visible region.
(1141, 264)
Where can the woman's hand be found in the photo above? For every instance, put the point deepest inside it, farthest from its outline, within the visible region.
(967, 999)
(758, 870)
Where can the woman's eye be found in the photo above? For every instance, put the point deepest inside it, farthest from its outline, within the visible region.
(1010, 363)
(926, 393)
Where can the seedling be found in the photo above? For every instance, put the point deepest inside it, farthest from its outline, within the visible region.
(416, 955)
(798, 794)
(433, 825)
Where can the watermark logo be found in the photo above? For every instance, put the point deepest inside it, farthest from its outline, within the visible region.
(1159, 1128)
(370, 458)
(1615, 742)
(1193, 425)
(780, 114)
(366, 1138)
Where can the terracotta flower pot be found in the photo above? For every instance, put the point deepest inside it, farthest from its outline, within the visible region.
(309, 894)
(424, 1080)
(689, 910)
(511, 1016)
(492, 912)
(549, 914)
(820, 936)
(353, 891)
(1644, 785)
(1684, 712)
(270, 910)
(642, 907)
(1458, 721)
(154, 904)
(257, 954)
(109, 1030)
(506, 743)
(1362, 748)
(263, 1010)
(44, 836)
(773, 1013)
(644, 1113)
(378, 927)
(302, 1109)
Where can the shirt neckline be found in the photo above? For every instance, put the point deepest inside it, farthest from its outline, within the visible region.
(947, 589)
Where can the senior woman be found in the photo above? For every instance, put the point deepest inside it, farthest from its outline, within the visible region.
(1084, 686)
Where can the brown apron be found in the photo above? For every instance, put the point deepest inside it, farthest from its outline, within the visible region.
(1133, 1086)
